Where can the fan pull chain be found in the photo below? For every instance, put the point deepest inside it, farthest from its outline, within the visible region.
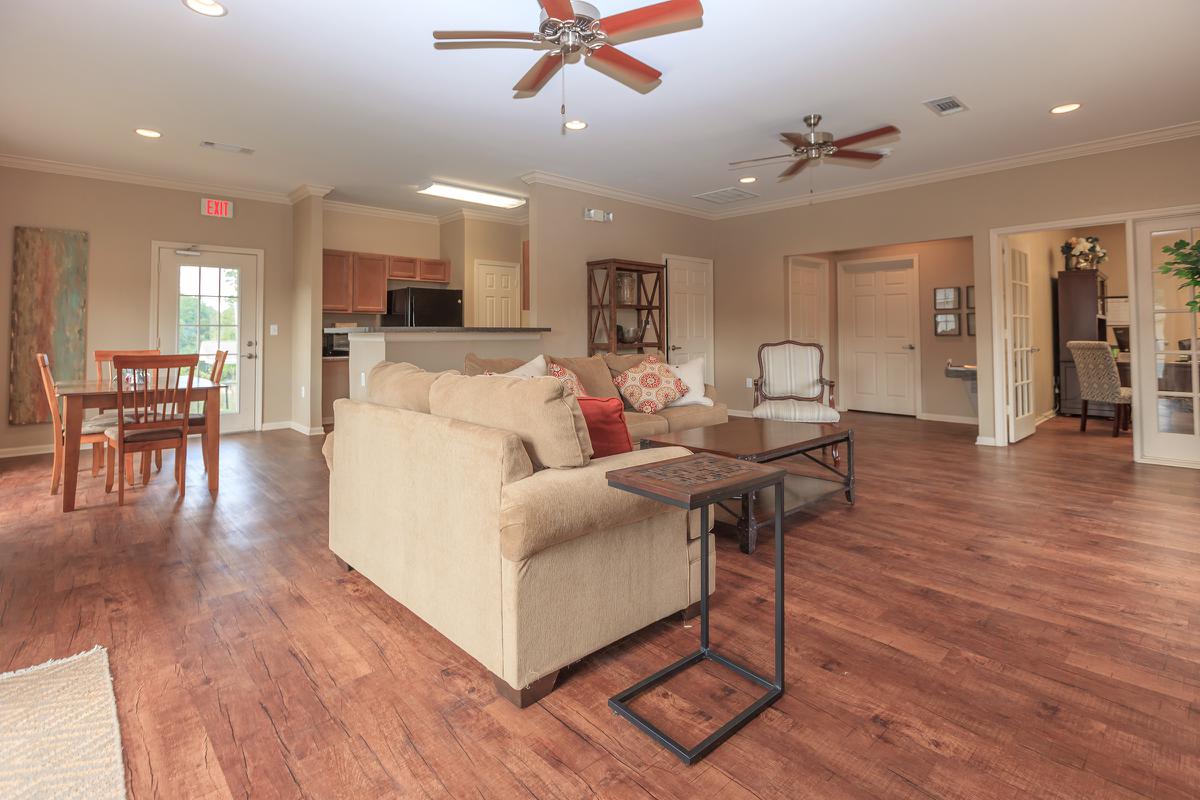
(563, 108)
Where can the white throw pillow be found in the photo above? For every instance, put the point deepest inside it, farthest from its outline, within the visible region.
(691, 373)
(534, 368)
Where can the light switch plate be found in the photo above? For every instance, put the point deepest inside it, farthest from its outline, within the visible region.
(274, 329)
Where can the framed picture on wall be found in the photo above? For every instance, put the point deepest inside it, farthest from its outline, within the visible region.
(947, 325)
(947, 298)
(971, 296)
(970, 323)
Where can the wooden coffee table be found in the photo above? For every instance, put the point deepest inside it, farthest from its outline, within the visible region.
(762, 441)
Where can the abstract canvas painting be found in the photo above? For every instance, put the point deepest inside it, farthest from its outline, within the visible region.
(49, 315)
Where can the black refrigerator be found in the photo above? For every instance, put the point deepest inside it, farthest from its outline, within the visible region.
(416, 307)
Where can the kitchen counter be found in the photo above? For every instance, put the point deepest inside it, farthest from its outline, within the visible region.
(384, 329)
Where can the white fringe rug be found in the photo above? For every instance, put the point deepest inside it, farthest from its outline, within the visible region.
(58, 731)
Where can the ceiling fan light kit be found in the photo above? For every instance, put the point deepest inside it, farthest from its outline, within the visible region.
(814, 145)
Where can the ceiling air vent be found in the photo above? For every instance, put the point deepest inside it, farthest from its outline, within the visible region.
(725, 196)
(228, 148)
(945, 106)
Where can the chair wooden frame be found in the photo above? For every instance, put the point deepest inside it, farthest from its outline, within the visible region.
(197, 423)
(827, 385)
(157, 409)
(97, 440)
(104, 378)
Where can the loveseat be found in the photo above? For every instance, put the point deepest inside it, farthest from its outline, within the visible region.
(596, 373)
(475, 502)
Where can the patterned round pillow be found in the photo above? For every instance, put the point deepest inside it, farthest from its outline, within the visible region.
(570, 380)
(650, 386)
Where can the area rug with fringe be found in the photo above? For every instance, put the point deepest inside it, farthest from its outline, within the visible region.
(59, 735)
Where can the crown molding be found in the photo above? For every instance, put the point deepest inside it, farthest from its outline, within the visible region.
(1095, 147)
(383, 213)
(137, 178)
(483, 216)
(563, 182)
(306, 190)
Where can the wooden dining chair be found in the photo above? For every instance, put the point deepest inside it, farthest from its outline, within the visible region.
(153, 408)
(104, 378)
(92, 433)
(197, 422)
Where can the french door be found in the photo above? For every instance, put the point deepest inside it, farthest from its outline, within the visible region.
(1168, 370)
(208, 301)
(1022, 419)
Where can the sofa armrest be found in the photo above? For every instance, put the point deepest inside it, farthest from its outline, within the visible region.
(710, 391)
(557, 505)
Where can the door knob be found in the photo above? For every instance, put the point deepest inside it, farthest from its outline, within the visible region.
(249, 355)
(676, 347)
(1035, 349)
(910, 347)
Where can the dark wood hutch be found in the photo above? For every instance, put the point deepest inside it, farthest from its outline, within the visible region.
(641, 299)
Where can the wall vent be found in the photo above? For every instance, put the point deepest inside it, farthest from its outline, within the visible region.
(945, 106)
(228, 148)
(725, 196)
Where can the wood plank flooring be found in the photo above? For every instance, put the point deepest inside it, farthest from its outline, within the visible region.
(985, 623)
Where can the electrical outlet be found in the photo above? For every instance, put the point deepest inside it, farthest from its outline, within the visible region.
(274, 330)
(749, 383)
(302, 392)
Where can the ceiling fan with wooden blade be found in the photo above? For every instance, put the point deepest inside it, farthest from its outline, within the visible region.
(815, 145)
(572, 27)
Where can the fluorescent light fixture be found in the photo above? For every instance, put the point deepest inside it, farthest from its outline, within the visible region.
(149, 133)
(209, 8)
(575, 125)
(471, 195)
(747, 179)
(1066, 108)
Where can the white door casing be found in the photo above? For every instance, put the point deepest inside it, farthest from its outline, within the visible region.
(808, 301)
(1167, 350)
(497, 299)
(690, 311)
(207, 298)
(1022, 416)
(878, 338)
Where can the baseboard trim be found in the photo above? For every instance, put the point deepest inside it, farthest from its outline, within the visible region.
(28, 450)
(276, 426)
(1168, 462)
(292, 426)
(989, 441)
(1049, 415)
(735, 412)
(949, 418)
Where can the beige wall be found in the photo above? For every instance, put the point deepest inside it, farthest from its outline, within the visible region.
(121, 220)
(307, 237)
(561, 243)
(750, 250)
(364, 233)
(452, 244)
(941, 263)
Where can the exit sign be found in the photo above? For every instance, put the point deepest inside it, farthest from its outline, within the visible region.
(216, 208)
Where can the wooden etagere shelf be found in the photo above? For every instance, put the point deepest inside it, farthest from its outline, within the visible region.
(649, 306)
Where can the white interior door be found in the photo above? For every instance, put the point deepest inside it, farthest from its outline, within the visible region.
(690, 311)
(497, 295)
(808, 300)
(1022, 417)
(878, 338)
(208, 301)
(1167, 343)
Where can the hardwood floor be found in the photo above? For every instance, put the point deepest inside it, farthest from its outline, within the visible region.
(985, 623)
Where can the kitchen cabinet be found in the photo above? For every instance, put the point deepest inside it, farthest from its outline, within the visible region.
(402, 268)
(369, 292)
(434, 270)
(337, 267)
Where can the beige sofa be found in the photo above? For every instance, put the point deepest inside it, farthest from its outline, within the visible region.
(596, 374)
(526, 569)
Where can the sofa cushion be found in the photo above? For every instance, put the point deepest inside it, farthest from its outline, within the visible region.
(605, 418)
(682, 418)
(642, 425)
(650, 386)
(692, 374)
(401, 385)
(593, 374)
(796, 411)
(570, 380)
(474, 365)
(619, 363)
(538, 410)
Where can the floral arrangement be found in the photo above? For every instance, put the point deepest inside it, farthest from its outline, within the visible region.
(1084, 251)
(1185, 265)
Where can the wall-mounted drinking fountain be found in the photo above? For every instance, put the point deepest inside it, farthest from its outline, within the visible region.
(969, 375)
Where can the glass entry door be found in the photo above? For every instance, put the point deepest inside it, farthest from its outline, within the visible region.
(208, 301)
(1169, 383)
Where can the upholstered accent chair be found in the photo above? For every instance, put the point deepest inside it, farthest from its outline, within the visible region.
(1099, 382)
(791, 386)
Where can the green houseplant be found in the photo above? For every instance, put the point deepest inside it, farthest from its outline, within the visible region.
(1185, 265)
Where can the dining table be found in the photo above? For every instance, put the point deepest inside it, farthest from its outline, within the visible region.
(77, 396)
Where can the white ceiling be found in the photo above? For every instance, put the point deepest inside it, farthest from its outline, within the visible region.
(353, 95)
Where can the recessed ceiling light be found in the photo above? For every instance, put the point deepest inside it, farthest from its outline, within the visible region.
(747, 179)
(149, 133)
(471, 195)
(575, 125)
(209, 8)
(1066, 108)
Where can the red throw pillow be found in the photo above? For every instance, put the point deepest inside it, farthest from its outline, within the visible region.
(605, 418)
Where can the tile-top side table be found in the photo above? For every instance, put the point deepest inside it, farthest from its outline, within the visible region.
(690, 482)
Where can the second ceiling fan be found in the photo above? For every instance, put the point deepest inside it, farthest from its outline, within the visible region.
(571, 27)
(815, 145)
